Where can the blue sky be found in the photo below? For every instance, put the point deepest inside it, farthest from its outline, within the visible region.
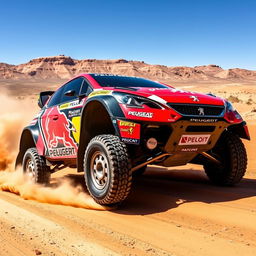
(173, 33)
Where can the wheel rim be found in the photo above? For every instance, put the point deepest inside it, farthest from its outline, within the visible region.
(30, 170)
(99, 170)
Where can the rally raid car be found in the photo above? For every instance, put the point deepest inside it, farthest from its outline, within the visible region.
(111, 127)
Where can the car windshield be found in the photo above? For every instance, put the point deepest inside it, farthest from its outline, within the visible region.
(125, 81)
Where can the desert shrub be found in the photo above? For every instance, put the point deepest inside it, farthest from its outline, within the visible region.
(249, 102)
(234, 99)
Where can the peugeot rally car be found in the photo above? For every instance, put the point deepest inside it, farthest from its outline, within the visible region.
(111, 127)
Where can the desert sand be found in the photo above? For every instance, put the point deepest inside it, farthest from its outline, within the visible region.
(173, 211)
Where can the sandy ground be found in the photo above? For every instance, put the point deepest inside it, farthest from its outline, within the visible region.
(169, 212)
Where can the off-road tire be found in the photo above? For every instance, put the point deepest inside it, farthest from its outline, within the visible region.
(113, 154)
(41, 171)
(139, 172)
(230, 151)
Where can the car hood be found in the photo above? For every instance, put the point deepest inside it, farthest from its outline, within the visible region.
(173, 95)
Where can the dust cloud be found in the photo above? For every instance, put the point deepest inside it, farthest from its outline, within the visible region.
(14, 115)
(63, 194)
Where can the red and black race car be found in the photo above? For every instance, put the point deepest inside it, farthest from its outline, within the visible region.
(111, 127)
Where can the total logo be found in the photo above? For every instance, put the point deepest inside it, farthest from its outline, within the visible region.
(194, 139)
(140, 114)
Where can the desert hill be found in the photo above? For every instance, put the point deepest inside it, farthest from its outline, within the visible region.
(64, 67)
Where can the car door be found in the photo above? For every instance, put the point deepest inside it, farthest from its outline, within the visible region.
(59, 122)
(74, 110)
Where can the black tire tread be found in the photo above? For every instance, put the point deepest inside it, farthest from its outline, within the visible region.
(122, 176)
(238, 162)
(42, 174)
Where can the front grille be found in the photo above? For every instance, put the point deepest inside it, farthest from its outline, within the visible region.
(197, 110)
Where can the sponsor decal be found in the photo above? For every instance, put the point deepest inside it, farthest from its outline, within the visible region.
(99, 93)
(189, 149)
(198, 120)
(131, 141)
(59, 152)
(75, 112)
(57, 133)
(76, 123)
(194, 139)
(129, 130)
(125, 123)
(140, 114)
(70, 104)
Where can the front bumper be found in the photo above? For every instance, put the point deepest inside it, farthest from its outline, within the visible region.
(189, 139)
(198, 136)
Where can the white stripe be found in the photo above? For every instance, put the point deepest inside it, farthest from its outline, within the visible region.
(157, 99)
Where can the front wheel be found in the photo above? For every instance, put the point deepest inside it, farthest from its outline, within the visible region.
(231, 153)
(107, 170)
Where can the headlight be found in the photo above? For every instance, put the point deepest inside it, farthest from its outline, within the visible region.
(133, 101)
(229, 107)
(231, 110)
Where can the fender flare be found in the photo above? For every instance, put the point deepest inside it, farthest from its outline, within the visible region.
(241, 130)
(28, 139)
(110, 104)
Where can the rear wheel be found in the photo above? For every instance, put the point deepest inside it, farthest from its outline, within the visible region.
(231, 153)
(35, 168)
(107, 169)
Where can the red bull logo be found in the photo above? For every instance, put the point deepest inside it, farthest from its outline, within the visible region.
(57, 130)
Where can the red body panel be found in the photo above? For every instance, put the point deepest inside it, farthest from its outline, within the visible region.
(56, 134)
(174, 95)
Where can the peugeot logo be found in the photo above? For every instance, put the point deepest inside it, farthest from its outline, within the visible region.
(194, 98)
(201, 111)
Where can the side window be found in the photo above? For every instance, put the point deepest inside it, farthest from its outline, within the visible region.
(86, 88)
(73, 85)
(56, 97)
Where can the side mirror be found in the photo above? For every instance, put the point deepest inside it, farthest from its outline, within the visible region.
(70, 93)
(43, 98)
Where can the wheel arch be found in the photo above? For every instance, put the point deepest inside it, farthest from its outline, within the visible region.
(241, 130)
(27, 141)
(98, 117)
